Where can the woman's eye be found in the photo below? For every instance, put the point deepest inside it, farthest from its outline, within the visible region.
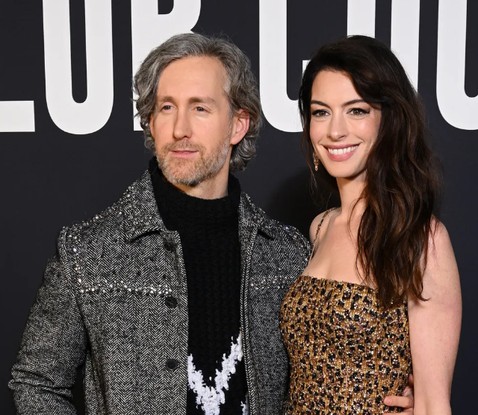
(166, 107)
(358, 111)
(319, 113)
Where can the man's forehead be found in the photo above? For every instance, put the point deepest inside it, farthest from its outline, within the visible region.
(200, 69)
(206, 99)
(195, 79)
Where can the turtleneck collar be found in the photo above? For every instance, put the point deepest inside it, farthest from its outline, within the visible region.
(178, 210)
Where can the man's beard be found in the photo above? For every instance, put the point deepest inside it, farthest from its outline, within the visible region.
(191, 172)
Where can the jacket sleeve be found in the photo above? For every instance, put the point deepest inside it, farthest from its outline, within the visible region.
(52, 349)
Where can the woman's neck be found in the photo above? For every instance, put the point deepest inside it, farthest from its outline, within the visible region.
(351, 201)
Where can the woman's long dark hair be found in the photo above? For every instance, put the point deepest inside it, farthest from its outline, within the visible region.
(402, 179)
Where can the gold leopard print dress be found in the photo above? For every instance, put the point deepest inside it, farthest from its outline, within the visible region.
(346, 351)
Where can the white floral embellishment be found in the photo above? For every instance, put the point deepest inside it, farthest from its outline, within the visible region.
(245, 408)
(210, 398)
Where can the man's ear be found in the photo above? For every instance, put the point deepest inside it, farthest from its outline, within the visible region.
(240, 126)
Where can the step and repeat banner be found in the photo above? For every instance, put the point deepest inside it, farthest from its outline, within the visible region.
(69, 144)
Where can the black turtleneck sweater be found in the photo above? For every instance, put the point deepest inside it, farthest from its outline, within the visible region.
(210, 242)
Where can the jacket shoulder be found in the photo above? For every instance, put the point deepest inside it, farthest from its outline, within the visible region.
(136, 206)
(282, 233)
(93, 251)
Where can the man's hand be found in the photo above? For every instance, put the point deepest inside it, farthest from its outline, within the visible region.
(405, 401)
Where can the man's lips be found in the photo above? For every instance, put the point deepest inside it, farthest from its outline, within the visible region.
(183, 152)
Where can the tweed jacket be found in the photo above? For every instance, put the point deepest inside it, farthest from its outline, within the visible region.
(113, 303)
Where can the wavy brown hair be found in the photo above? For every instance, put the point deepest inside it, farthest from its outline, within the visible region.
(402, 178)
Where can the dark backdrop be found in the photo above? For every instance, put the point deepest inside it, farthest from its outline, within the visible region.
(58, 166)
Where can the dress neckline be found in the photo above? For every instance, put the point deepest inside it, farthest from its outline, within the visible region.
(339, 282)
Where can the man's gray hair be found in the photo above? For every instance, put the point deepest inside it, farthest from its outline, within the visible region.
(242, 85)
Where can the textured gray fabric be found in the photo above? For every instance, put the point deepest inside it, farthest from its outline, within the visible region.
(106, 302)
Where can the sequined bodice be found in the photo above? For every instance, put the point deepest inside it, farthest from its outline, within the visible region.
(346, 352)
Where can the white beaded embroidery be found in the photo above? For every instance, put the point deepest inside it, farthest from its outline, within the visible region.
(210, 398)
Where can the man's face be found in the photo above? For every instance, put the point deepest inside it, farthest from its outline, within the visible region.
(193, 126)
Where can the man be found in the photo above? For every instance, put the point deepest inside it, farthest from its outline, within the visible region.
(170, 298)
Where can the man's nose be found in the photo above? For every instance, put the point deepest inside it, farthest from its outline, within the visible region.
(182, 125)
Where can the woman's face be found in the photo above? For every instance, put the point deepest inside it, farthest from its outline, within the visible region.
(343, 127)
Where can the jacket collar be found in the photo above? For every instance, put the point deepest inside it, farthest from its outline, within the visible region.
(252, 216)
(141, 215)
(140, 210)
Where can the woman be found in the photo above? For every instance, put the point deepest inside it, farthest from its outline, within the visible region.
(380, 297)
